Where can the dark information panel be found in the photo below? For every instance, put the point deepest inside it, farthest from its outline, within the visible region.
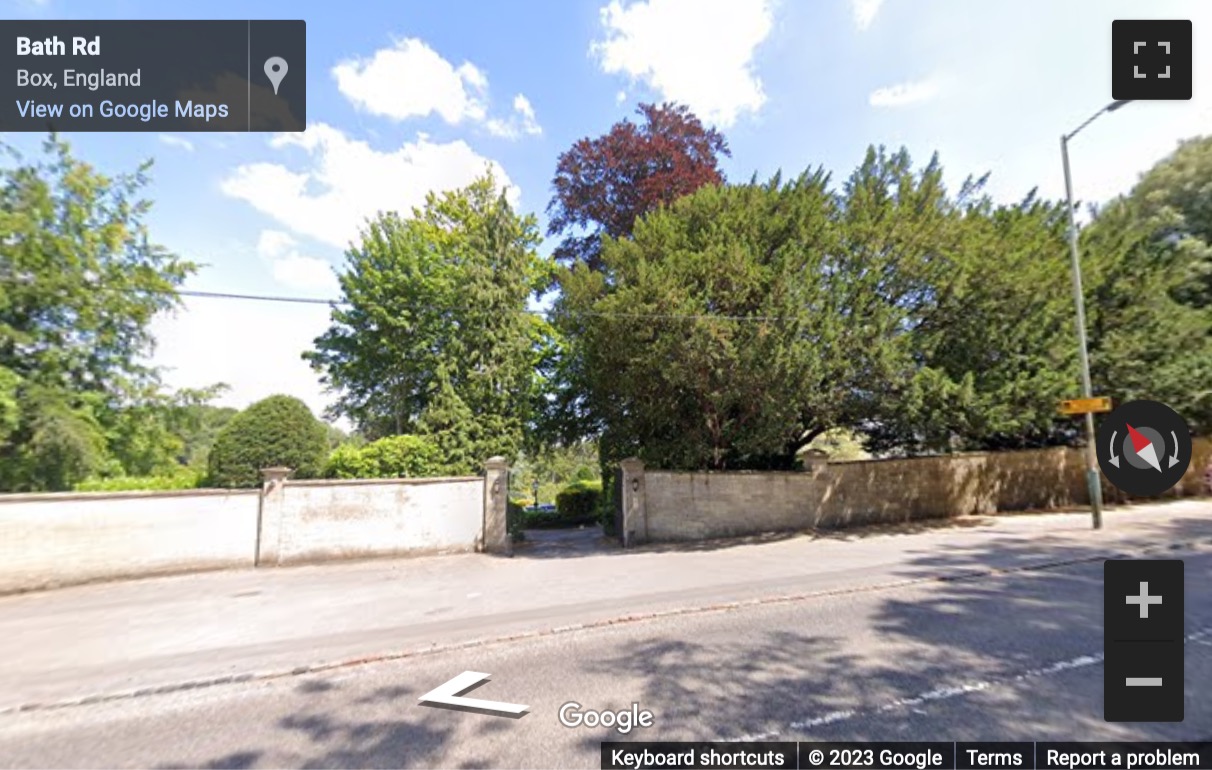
(933, 755)
(153, 75)
(1143, 640)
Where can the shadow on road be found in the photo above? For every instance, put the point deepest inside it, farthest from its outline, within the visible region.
(590, 541)
(987, 633)
(858, 678)
(327, 735)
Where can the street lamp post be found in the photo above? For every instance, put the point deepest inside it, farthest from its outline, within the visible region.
(1093, 484)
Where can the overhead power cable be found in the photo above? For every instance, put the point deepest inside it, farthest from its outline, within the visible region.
(543, 313)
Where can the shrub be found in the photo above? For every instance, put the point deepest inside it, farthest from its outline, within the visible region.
(606, 505)
(388, 458)
(577, 504)
(347, 462)
(404, 457)
(585, 473)
(548, 520)
(276, 431)
(515, 519)
(185, 478)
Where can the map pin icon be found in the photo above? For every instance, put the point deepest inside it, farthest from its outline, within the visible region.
(275, 68)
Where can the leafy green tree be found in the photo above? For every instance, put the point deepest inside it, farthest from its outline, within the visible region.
(434, 337)
(1174, 200)
(62, 443)
(80, 281)
(718, 341)
(200, 426)
(1144, 341)
(554, 466)
(602, 187)
(993, 339)
(155, 433)
(10, 413)
(276, 431)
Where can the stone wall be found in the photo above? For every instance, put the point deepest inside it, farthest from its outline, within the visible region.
(49, 540)
(56, 539)
(321, 521)
(666, 505)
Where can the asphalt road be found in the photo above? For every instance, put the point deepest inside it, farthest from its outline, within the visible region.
(1012, 656)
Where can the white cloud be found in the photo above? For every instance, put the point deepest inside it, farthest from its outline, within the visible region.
(620, 97)
(412, 80)
(300, 272)
(177, 141)
(274, 243)
(865, 12)
(903, 94)
(255, 347)
(521, 123)
(409, 80)
(698, 52)
(344, 181)
(292, 269)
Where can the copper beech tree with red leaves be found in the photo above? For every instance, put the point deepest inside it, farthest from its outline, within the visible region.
(603, 185)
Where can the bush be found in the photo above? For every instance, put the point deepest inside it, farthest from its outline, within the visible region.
(576, 504)
(388, 458)
(186, 478)
(515, 519)
(585, 473)
(276, 431)
(606, 505)
(347, 462)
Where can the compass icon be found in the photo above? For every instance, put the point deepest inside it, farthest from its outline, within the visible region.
(1144, 448)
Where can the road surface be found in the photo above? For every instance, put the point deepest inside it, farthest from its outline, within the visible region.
(1008, 654)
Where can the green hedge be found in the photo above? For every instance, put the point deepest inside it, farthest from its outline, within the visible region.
(185, 479)
(393, 457)
(515, 519)
(606, 504)
(576, 504)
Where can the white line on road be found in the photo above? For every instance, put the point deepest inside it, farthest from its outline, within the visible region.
(951, 691)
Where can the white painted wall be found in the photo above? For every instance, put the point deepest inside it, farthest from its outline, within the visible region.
(58, 539)
(390, 517)
(49, 540)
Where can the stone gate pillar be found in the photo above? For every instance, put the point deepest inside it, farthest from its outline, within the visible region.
(634, 526)
(495, 537)
(269, 516)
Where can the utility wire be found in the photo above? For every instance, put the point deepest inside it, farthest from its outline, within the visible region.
(543, 313)
(259, 297)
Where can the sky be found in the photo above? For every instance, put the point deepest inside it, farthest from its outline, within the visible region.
(409, 97)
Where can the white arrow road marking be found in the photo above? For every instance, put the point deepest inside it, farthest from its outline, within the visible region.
(446, 696)
(1114, 459)
(1174, 457)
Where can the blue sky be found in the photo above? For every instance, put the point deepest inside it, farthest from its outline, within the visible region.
(405, 97)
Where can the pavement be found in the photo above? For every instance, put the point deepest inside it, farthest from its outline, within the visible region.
(982, 628)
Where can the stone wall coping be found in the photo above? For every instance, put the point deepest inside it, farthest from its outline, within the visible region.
(60, 497)
(379, 482)
(652, 472)
(962, 455)
(870, 460)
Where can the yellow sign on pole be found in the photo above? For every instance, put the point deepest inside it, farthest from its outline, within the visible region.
(1086, 405)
